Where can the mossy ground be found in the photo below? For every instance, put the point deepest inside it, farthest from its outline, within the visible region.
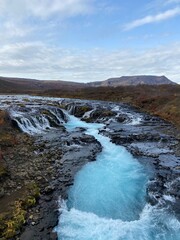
(13, 207)
(12, 220)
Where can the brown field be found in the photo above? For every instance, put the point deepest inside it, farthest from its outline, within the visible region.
(161, 100)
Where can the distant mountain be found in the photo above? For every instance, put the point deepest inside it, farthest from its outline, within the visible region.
(132, 80)
(23, 85)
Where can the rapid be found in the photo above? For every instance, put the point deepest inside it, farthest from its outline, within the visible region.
(108, 198)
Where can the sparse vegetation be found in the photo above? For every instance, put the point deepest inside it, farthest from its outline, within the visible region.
(162, 100)
(13, 215)
(15, 222)
(12, 220)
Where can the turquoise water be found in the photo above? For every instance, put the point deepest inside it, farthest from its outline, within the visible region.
(107, 200)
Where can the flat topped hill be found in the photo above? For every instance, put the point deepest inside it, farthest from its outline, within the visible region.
(132, 80)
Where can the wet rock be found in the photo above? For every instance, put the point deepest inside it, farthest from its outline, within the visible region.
(49, 189)
(100, 115)
(79, 111)
(122, 118)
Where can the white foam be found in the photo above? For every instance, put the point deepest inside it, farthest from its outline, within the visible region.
(78, 225)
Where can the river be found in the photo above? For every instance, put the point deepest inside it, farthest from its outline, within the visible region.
(107, 200)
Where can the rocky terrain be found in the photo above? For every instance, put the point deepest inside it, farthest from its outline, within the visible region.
(35, 171)
(39, 157)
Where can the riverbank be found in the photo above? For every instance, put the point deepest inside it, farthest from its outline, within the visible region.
(37, 170)
(52, 158)
(25, 183)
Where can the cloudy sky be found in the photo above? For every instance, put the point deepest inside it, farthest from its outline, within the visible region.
(89, 40)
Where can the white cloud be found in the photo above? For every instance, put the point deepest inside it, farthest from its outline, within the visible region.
(44, 8)
(10, 30)
(37, 60)
(37, 19)
(66, 8)
(21, 55)
(153, 18)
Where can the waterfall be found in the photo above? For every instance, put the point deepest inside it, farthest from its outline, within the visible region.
(38, 120)
(71, 108)
(108, 198)
(131, 119)
(88, 114)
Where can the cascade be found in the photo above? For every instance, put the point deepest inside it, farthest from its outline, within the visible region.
(108, 198)
(40, 120)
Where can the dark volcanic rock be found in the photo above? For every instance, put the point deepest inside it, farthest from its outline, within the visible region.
(150, 143)
(51, 159)
(76, 149)
(42, 219)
